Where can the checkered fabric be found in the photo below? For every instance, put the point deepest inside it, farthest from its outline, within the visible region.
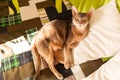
(26, 57)
(9, 20)
(10, 63)
(16, 60)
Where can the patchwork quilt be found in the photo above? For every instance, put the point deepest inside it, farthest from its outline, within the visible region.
(19, 22)
(18, 25)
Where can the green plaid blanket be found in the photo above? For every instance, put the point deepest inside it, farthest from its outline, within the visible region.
(26, 57)
(9, 20)
(15, 61)
(10, 63)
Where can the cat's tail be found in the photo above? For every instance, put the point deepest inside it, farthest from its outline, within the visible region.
(36, 58)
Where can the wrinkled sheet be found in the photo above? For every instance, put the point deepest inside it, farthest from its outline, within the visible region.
(103, 40)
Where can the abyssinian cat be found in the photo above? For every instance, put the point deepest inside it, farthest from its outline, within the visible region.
(56, 40)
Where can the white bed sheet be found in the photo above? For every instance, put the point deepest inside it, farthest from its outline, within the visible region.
(104, 36)
(103, 40)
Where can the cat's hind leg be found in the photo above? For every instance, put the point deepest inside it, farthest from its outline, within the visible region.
(46, 51)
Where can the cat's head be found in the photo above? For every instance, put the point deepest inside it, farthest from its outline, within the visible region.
(80, 21)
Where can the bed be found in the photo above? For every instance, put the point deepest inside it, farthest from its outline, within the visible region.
(102, 41)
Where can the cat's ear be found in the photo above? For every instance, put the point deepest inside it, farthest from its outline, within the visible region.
(90, 13)
(74, 11)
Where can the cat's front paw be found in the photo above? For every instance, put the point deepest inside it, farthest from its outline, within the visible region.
(60, 76)
(68, 64)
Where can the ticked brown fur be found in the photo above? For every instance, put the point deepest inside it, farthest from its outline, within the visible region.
(56, 40)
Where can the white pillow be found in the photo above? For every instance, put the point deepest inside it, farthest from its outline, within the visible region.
(103, 39)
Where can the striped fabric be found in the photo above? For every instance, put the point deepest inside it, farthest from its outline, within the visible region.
(43, 16)
(13, 7)
(9, 20)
